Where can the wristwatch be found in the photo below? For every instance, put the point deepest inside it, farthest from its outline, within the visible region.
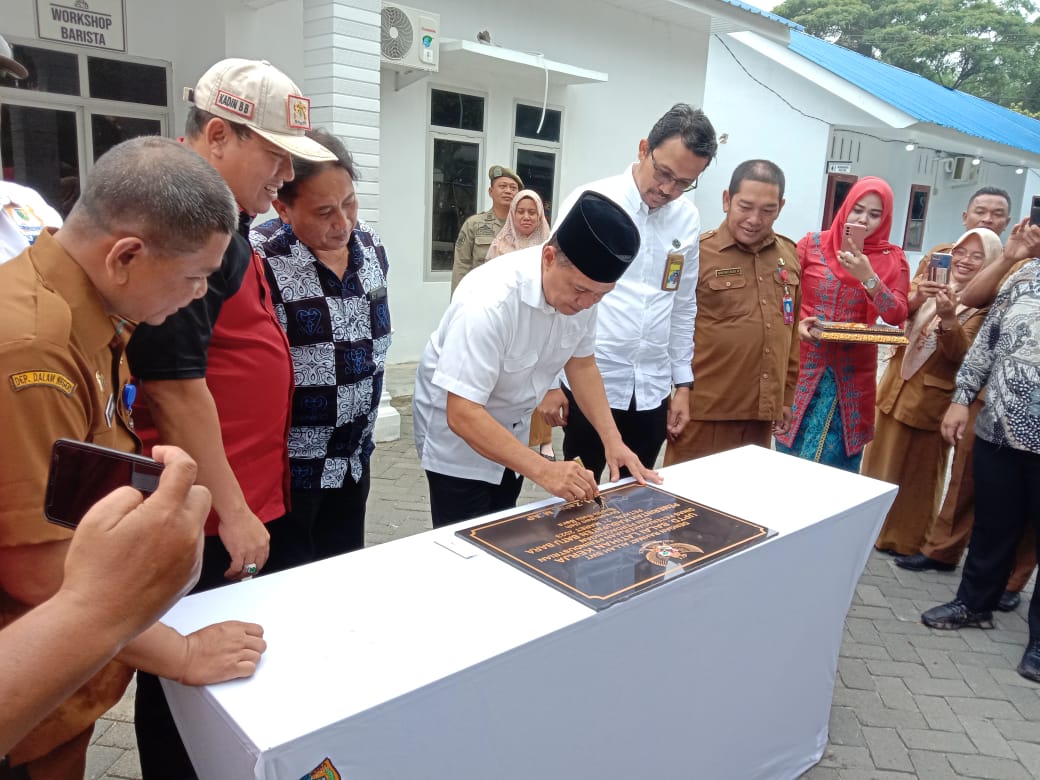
(872, 282)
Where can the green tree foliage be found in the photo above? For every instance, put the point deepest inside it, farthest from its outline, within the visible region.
(985, 48)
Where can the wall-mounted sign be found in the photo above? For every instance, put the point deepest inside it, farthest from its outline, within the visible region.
(839, 166)
(98, 23)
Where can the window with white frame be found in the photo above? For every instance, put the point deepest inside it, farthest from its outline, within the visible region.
(457, 124)
(73, 107)
(536, 150)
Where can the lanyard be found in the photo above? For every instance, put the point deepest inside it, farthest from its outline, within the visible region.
(788, 302)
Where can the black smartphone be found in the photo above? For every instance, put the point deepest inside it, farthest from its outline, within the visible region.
(1034, 211)
(81, 474)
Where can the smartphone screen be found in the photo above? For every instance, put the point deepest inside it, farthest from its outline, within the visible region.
(856, 233)
(939, 267)
(81, 474)
(1034, 212)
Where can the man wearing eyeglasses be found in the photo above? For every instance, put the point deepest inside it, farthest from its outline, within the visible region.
(644, 333)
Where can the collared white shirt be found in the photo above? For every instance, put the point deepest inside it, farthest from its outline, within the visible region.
(499, 345)
(23, 216)
(644, 334)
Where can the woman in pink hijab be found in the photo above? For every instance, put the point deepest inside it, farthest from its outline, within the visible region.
(833, 412)
(915, 391)
(526, 226)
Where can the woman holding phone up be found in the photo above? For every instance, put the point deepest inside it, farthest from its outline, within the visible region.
(833, 412)
(915, 392)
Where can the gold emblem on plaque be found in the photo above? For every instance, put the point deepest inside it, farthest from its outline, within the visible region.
(661, 553)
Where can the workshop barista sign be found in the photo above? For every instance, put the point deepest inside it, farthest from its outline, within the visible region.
(98, 23)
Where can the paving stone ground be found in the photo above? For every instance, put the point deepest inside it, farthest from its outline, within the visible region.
(909, 701)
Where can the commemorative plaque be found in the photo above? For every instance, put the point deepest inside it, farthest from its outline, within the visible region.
(641, 537)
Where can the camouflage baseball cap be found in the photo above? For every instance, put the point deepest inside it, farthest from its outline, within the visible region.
(498, 171)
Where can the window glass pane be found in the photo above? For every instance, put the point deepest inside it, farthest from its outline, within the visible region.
(918, 204)
(453, 109)
(528, 119)
(111, 130)
(454, 196)
(916, 214)
(39, 149)
(538, 170)
(49, 71)
(127, 81)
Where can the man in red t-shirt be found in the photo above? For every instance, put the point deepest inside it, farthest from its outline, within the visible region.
(217, 376)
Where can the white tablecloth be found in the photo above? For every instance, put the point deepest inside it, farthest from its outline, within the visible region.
(407, 660)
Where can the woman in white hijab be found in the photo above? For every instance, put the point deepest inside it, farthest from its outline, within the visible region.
(526, 226)
(915, 391)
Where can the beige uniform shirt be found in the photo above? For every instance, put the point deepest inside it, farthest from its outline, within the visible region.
(473, 243)
(745, 362)
(62, 372)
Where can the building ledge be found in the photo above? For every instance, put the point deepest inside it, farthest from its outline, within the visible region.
(483, 57)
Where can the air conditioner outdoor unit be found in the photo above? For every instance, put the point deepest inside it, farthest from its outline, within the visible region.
(410, 38)
(963, 171)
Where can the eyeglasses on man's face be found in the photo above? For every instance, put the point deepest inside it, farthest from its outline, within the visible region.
(666, 178)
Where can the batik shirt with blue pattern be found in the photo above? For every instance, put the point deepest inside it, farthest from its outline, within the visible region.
(339, 333)
(1005, 359)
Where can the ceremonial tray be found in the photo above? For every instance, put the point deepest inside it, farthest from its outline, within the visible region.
(859, 332)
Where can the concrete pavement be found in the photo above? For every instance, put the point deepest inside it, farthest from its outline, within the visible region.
(909, 701)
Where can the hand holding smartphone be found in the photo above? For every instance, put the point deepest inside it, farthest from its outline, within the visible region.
(1034, 211)
(856, 234)
(81, 474)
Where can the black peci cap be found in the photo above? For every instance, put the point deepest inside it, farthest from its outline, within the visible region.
(598, 237)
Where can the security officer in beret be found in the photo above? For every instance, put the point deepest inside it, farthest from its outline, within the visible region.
(510, 328)
(479, 231)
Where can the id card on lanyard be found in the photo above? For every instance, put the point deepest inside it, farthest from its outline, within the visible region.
(673, 269)
(787, 301)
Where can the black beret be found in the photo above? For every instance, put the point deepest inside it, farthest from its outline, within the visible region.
(598, 237)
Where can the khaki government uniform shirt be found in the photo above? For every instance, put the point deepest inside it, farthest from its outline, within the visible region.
(745, 362)
(62, 372)
(473, 243)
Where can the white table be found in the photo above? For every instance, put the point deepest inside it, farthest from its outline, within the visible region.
(406, 660)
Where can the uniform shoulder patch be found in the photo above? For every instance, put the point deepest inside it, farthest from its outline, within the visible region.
(788, 248)
(708, 234)
(41, 378)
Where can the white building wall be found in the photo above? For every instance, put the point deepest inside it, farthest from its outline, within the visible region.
(341, 67)
(783, 116)
(651, 66)
(191, 35)
(922, 166)
(760, 125)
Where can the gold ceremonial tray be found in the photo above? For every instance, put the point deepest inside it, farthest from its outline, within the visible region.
(861, 333)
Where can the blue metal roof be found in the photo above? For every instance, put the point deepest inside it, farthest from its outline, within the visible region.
(921, 98)
(763, 13)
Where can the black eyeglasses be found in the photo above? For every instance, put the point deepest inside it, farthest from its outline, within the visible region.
(666, 178)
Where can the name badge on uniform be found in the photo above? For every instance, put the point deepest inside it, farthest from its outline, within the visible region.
(729, 272)
(673, 272)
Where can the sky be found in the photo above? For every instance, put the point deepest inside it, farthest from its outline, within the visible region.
(765, 5)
